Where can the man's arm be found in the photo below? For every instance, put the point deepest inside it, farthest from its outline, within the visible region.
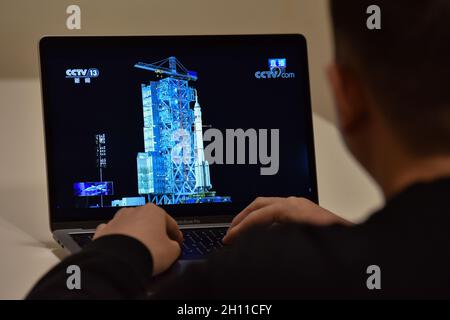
(285, 261)
(136, 244)
(112, 267)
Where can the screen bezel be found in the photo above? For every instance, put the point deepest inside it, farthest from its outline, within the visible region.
(204, 213)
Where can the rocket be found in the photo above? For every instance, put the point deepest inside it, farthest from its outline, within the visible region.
(202, 178)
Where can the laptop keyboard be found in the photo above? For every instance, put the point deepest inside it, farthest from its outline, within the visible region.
(196, 245)
(82, 239)
(200, 242)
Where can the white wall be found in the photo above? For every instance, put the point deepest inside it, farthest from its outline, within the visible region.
(23, 22)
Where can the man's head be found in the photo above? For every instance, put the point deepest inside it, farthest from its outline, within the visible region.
(394, 83)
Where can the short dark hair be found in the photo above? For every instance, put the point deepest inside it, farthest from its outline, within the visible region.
(406, 64)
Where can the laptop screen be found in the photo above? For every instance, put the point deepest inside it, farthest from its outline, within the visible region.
(201, 125)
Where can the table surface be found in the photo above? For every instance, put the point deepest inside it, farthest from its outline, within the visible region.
(27, 250)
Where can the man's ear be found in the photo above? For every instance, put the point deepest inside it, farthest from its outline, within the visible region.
(350, 98)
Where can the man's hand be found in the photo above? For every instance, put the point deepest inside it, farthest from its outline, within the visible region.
(267, 211)
(153, 227)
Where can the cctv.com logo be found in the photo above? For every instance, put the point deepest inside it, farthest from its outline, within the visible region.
(85, 74)
(277, 69)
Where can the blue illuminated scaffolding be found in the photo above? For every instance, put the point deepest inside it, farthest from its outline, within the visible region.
(173, 168)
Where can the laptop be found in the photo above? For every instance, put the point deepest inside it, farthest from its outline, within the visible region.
(199, 125)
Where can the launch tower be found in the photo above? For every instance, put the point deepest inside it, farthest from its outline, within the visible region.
(172, 169)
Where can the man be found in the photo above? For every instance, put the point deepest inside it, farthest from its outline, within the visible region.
(393, 107)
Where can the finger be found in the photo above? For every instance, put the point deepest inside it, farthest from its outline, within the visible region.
(120, 212)
(176, 249)
(255, 205)
(99, 228)
(173, 230)
(173, 253)
(264, 216)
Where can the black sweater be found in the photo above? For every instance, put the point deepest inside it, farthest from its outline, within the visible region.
(409, 239)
